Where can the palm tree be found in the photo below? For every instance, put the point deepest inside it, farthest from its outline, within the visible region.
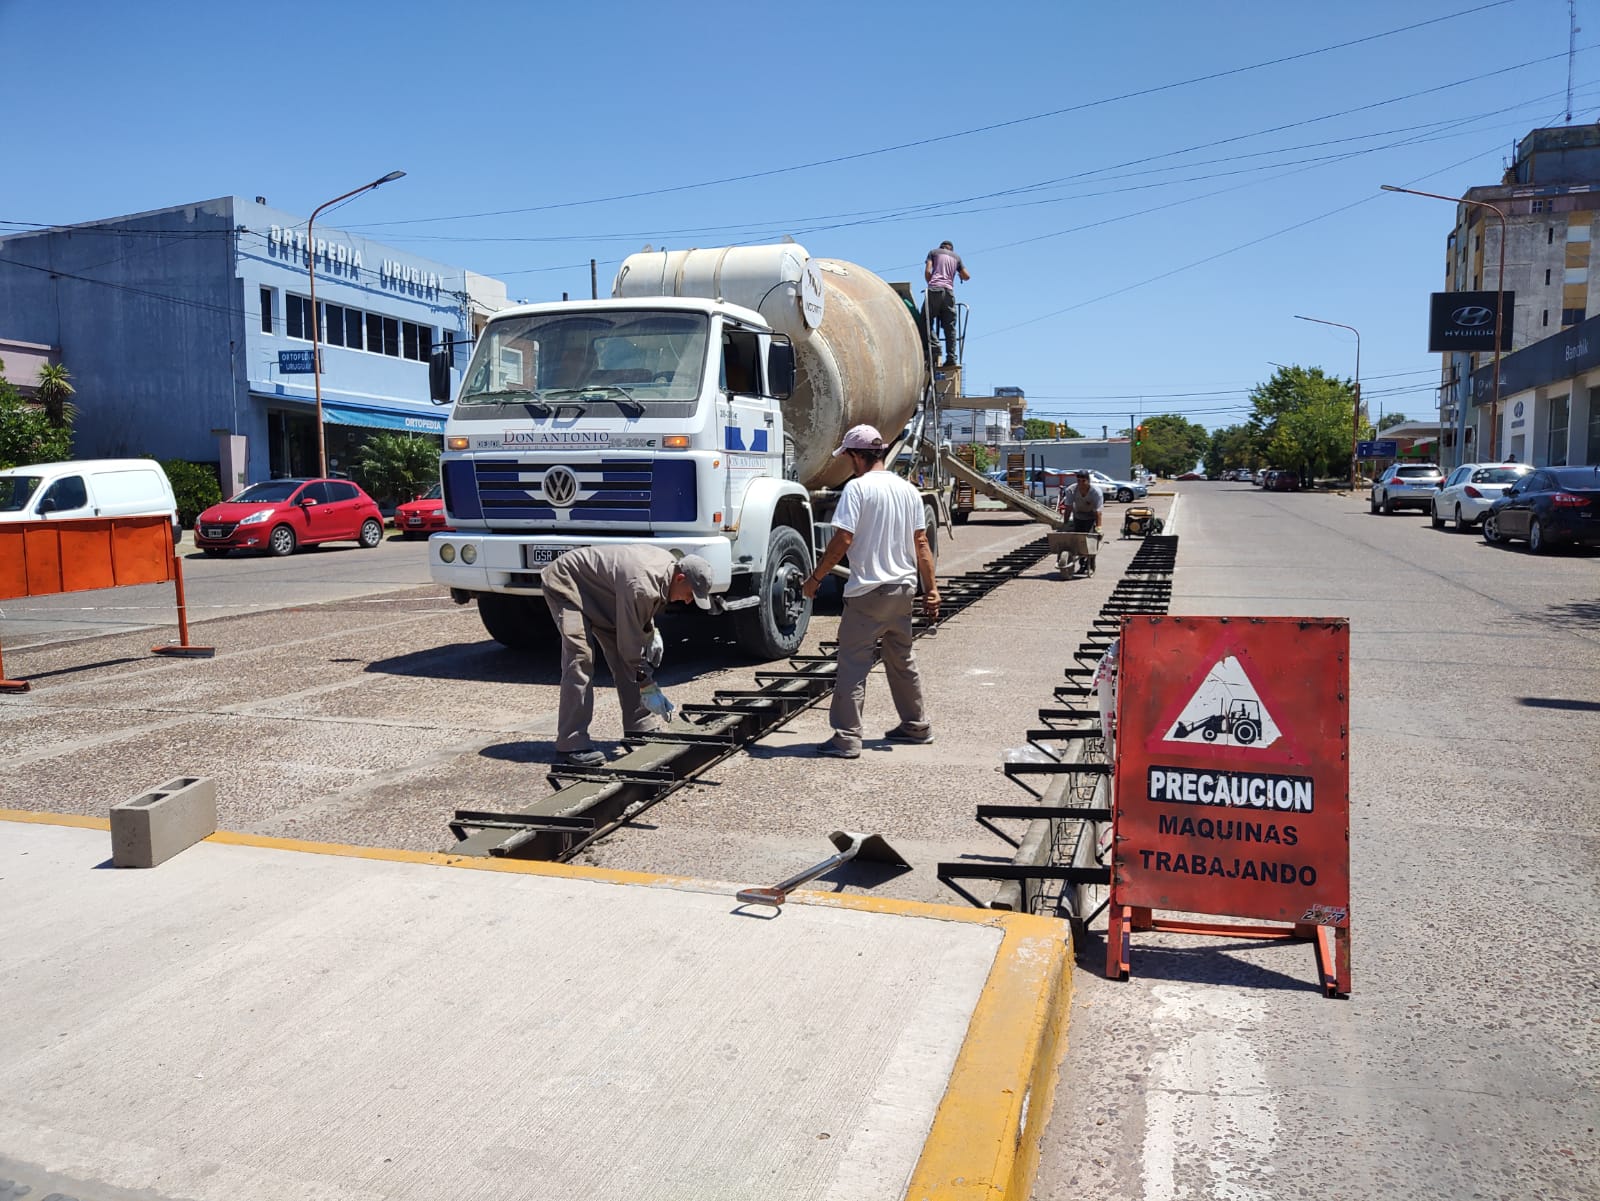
(55, 394)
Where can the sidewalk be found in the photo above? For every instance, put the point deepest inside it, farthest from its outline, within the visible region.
(262, 1019)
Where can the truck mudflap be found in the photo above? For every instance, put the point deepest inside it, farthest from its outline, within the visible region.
(471, 562)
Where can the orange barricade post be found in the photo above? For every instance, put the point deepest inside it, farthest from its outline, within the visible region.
(42, 558)
(1232, 783)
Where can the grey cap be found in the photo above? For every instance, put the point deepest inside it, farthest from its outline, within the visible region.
(698, 572)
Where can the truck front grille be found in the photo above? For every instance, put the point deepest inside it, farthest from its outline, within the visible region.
(632, 490)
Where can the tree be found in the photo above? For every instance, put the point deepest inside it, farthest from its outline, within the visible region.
(396, 466)
(1302, 420)
(1389, 419)
(1170, 445)
(26, 434)
(55, 394)
(1232, 446)
(1035, 427)
(982, 458)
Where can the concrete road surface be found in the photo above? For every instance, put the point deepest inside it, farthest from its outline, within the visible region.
(1467, 1062)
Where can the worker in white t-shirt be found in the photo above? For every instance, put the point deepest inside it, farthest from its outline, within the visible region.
(881, 524)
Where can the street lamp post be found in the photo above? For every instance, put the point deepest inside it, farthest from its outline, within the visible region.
(1499, 305)
(316, 317)
(1355, 417)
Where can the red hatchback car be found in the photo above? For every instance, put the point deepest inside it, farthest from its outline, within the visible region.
(425, 515)
(278, 515)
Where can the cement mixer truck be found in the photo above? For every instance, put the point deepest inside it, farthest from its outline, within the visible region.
(697, 408)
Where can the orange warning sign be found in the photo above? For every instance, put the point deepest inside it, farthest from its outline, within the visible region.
(1232, 792)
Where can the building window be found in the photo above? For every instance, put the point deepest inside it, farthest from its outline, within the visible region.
(1571, 316)
(1541, 206)
(266, 310)
(1477, 243)
(1556, 445)
(375, 333)
(353, 321)
(1577, 233)
(1550, 235)
(1592, 450)
(297, 316)
(1546, 320)
(1576, 275)
(417, 341)
(1547, 275)
(333, 324)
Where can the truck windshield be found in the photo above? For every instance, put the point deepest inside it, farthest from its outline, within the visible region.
(15, 491)
(631, 357)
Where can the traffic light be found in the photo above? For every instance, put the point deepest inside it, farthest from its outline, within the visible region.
(1138, 435)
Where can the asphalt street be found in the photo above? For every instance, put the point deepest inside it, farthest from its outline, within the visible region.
(350, 701)
(219, 586)
(1466, 1062)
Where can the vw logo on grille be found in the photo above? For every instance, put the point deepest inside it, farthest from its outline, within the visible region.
(560, 486)
(1473, 315)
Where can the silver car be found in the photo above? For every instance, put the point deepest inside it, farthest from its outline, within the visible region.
(1123, 490)
(1406, 486)
(1470, 489)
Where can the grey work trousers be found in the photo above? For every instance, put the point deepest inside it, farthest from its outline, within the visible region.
(883, 613)
(577, 679)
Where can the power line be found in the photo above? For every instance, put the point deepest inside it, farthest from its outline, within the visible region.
(931, 141)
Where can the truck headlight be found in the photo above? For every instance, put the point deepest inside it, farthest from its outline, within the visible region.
(469, 553)
(447, 553)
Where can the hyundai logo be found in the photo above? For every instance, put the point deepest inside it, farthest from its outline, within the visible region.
(1472, 316)
(560, 486)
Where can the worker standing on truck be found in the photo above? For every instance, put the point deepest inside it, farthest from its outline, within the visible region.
(614, 592)
(940, 271)
(881, 523)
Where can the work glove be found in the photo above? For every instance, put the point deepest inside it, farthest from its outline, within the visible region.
(656, 649)
(656, 701)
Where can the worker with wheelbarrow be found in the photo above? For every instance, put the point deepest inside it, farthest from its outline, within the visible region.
(1085, 505)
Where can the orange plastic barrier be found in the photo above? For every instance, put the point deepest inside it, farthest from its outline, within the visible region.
(43, 558)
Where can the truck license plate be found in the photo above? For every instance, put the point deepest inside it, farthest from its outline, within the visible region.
(539, 556)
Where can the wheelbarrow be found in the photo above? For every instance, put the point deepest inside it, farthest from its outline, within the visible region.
(1075, 552)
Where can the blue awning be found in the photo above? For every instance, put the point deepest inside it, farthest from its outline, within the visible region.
(383, 419)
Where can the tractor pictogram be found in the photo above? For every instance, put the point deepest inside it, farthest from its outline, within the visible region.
(1240, 721)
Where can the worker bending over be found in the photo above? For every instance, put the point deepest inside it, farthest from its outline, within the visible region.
(614, 592)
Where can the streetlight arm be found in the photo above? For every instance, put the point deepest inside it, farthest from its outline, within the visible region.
(1355, 415)
(316, 319)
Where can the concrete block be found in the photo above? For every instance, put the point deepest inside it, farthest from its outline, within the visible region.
(154, 826)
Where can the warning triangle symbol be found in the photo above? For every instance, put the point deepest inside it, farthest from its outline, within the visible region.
(1225, 710)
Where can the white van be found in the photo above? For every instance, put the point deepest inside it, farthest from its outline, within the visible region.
(91, 488)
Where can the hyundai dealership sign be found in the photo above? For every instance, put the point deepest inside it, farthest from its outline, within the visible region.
(1465, 321)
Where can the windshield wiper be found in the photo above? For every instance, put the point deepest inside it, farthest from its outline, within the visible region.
(526, 397)
(627, 404)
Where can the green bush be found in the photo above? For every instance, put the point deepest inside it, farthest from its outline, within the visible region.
(26, 435)
(398, 467)
(195, 487)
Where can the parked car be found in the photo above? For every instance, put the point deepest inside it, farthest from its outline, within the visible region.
(425, 515)
(1192, 475)
(1260, 479)
(88, 488)
(279, 515)
(1470, 489)
(1283, 481)
(1406, 486)
(1123, 490)
(1548, 506)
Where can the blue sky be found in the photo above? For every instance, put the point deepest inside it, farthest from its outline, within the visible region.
(1128, 252)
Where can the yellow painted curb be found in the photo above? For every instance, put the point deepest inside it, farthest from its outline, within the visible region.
(985, 1139)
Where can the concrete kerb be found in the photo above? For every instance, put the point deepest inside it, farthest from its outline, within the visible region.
(984, 1138)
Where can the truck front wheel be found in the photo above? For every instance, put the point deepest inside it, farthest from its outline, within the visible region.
(521, 623)
(775, 627)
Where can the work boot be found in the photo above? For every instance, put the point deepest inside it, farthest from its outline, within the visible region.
(906, 732)
(950, 361)
(837, 748)
(586, 758)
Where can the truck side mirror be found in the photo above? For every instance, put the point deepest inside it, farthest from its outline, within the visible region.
(439, 375)
(780, 368)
